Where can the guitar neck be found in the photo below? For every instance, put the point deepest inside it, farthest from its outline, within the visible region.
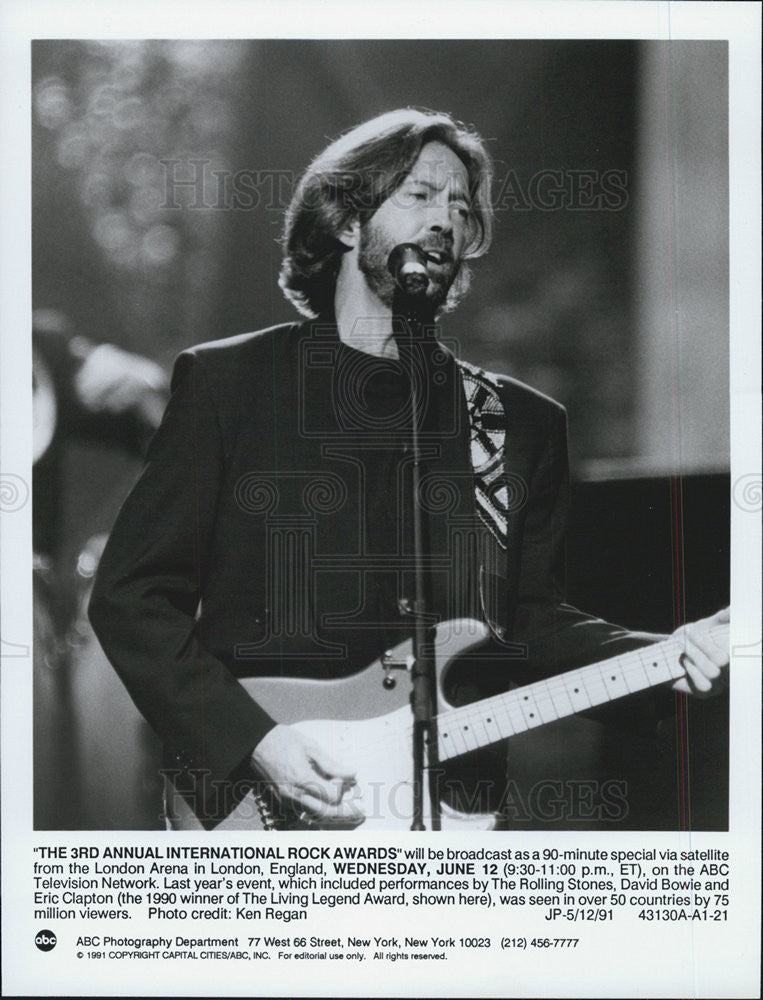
(481, 723)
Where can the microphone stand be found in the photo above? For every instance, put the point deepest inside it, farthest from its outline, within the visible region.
(413, 312)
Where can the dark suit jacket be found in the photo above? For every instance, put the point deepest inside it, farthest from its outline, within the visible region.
(182, 590)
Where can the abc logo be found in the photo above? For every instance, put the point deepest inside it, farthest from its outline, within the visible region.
(45, 940)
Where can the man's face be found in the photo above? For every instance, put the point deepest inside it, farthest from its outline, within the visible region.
(430, 208)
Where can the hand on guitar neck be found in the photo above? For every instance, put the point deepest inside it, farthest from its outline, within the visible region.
(703, 658)
(367, 725)
(307, 778)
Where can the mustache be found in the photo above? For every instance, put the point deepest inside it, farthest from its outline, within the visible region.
(439, 252)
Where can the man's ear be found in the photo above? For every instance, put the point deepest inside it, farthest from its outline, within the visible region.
(350, 235)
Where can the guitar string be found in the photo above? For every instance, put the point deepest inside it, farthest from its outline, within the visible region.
(477, 712)
(554, 686)
(631, 664)
(500, 704)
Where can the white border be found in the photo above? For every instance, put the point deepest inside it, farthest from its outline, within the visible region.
(707, 973)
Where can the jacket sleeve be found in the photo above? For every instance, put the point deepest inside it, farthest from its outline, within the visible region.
(148, 588)
(557, 636)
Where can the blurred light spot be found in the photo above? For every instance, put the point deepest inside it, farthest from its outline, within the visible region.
(51, 102)
(107, 46)
(141, 169)
(192, 55)
(73, 146)
(172, 97)
(211, 116)
(87, 564)
(103, 100)
(96, 189)
(128, 73)
(99, 129)
(115, 235)
(160, 245)
(129, 113)
(145, 204)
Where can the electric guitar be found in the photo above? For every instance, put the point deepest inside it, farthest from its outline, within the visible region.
(344, 717)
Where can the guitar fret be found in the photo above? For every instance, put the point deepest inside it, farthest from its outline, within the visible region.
(596, 689)
(492, 726)
(636, 673)
(467, 731)
(464, 725)
(533, 705)
(480, 728)
(675, 669)
(548, 693)
(452, 740)
(473, 728)
(528, 707)
(612, 681)
(489, 717)
(515, 713)
(656, 666)
(648, 670)
(576, 691)
(502, 720)
(546, 708)
(459, 740)
(560, 697)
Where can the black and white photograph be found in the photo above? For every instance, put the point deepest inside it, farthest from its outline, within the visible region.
(386, 503)
(489, 276)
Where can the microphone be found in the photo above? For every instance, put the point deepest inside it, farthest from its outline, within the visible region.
(407, 265)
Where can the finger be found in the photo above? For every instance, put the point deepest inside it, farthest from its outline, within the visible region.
(701, 634)
(328, 766)
(288, 793)
(704, 650)
(695, 679)
(701, 673)
(303, 781)
(722, 617)
(314, 798)
(682, 686)
(327, 790)
(349, 810)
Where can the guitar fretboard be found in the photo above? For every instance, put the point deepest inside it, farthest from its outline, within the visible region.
(461, 730)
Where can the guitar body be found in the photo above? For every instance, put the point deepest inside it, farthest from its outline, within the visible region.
(362, 720)
(366, 720)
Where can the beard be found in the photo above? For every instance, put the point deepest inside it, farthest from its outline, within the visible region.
(445, 289)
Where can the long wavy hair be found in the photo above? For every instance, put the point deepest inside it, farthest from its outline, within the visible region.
(351, 178)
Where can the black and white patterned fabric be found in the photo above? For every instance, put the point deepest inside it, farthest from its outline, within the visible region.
(487, 438)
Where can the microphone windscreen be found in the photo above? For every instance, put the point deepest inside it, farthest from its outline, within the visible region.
(407, 265)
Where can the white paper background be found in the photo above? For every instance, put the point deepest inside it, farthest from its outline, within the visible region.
(615, 959)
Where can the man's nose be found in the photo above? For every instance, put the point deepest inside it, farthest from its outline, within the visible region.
(440, 220)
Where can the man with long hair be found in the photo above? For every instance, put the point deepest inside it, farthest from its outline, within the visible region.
(271, 530)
